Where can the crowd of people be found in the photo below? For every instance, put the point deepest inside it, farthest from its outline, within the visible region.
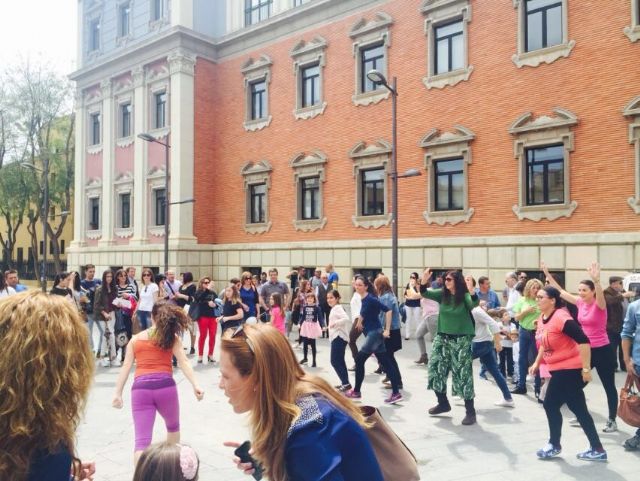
(539, 334)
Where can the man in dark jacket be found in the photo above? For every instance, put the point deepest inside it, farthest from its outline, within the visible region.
(614, 296)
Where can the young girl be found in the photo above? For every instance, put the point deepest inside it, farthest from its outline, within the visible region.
(339, 337)
(506, 355)
(232, 312)
(277, 313)
(154, 388)
(310, 328)
(167, 462)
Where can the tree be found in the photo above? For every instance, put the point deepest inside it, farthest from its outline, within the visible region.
(15, 194)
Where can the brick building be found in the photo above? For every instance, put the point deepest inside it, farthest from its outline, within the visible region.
(522, 116)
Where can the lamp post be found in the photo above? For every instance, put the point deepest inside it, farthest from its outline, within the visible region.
(150, 138)
(44, 217)
(378, 78)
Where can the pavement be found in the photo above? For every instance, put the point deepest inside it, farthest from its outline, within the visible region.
(501, 445)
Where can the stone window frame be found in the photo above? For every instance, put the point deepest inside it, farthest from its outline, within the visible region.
(156, 179)
(95, 107)
(437, 13)
(93, 190)
(365, 34)
(122, 40)
(158, 81)
(367, 157)
(443, 146)
(305, 54)
(254, 71)
(544, 55)
(633, 30)
(256, 173)
(94, 12)
(632, 111)
(540, 132)
(305, 166)
(155, 24)
(123, 185)
(124, 95)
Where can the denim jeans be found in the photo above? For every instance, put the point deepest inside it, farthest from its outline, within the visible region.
(91, 321)
(526, 356)
(487, 355)
(374, 343)
(144, 318)
(338, 347)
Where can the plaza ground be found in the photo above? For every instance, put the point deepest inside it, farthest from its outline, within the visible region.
(501, 445)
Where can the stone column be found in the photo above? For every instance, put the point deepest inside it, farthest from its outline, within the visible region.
(108, 165)
(182, 13)
(181, 68)
(79, 181)
(140, 150)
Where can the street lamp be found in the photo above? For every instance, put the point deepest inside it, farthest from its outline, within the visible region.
(45, 215)
(378, 78)
(150, 138)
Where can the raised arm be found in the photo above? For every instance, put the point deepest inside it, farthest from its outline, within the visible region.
(594, 273)
(549, 278)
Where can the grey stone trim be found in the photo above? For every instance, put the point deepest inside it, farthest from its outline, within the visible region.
(440, 146)
(372, 221)
(545, 55)
(93, 190)
(256, 173)
(633, 30)
(436, 13)
(305, 166)
(305, 54)
(365, 157)
(537, 132)
(181, 62)
(366, 33)
(632, 111)
(255, 70)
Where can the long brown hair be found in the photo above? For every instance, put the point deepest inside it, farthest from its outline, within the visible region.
(170, 320)
(47, 368)
(265, 355)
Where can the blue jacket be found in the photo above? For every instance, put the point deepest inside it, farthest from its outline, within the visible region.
(389, 300)
(631, 330)
(326, 444)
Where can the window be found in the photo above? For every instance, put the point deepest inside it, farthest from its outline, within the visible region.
(257, 76)
(256, 11)
(310, 78)
(373, 192)
(20, 253)
(310, 198)
(371, 40)
(159, 200)
(125, 210)
(447, 158)
(545, 175)
(542, 35)
(632, 112)
(449, 184)
(297, 3)
(449, 48)
(633, 30)
(124, 19)
(368, 273)
(543, 24)
(125, 120)
(94, 213)
(258, 193)
(542, 149)
(95, 129)
(157, 10)
(372, 58)
(257, 182)
(41, 248)
(94, 35)
(308, 65)
(254, 271)
(258, 99)
(160, 117)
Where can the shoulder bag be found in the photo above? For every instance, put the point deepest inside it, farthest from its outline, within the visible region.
(629, 407)
(396, 460)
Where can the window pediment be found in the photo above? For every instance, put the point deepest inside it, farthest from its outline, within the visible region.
(363, 26)
(527, 122)
(313, 46)
(253, 65)
(362, 149)
(434, 138)
(632, 111)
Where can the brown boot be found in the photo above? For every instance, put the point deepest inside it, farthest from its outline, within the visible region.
(424, 359)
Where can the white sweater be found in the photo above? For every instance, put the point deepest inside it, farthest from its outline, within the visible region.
(338, 323)
(486, 327)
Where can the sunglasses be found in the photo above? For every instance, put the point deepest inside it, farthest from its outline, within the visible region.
(146, 275)
(240, 329)
(448, 279)
(207, 282)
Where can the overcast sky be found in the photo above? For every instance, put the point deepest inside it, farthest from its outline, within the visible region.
(39, 29)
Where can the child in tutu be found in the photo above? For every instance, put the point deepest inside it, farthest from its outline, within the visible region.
(167, 462)
(310, 328)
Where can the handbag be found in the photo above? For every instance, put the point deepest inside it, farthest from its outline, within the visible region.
(120, 329)
(396, 460)
(629, 407)
(194, 311)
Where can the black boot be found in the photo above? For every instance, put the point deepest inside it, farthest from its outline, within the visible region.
(470, 417)
(443, 405)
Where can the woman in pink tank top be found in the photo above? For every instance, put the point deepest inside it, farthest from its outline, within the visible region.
(592, 316)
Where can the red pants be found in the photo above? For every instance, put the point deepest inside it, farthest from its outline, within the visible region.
(207, 325)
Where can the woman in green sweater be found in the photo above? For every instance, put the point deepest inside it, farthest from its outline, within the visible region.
(452, 344)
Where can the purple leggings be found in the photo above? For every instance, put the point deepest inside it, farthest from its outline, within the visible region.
(151, 393)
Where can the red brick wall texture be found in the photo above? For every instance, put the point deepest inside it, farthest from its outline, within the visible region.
(595, 82)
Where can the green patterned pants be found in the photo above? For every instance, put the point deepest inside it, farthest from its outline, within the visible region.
(451, 354)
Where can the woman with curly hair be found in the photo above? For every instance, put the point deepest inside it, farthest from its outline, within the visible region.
(43, 398)
(154, 388)
(302, 428)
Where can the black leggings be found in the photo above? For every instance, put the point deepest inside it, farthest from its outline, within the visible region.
(603, 359)
(566, 387)
(309, 342)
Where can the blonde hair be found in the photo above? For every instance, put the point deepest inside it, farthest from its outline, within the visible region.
(48, 368)
(529, 285)
(265, 355)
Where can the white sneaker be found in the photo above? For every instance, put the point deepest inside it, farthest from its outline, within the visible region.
(530, 378)
(105, 362)
(574, 422)
(505, 403)
(610, 427)
(116, 362)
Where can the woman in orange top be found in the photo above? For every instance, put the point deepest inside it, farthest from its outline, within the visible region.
(566, 351)
(154, 388)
